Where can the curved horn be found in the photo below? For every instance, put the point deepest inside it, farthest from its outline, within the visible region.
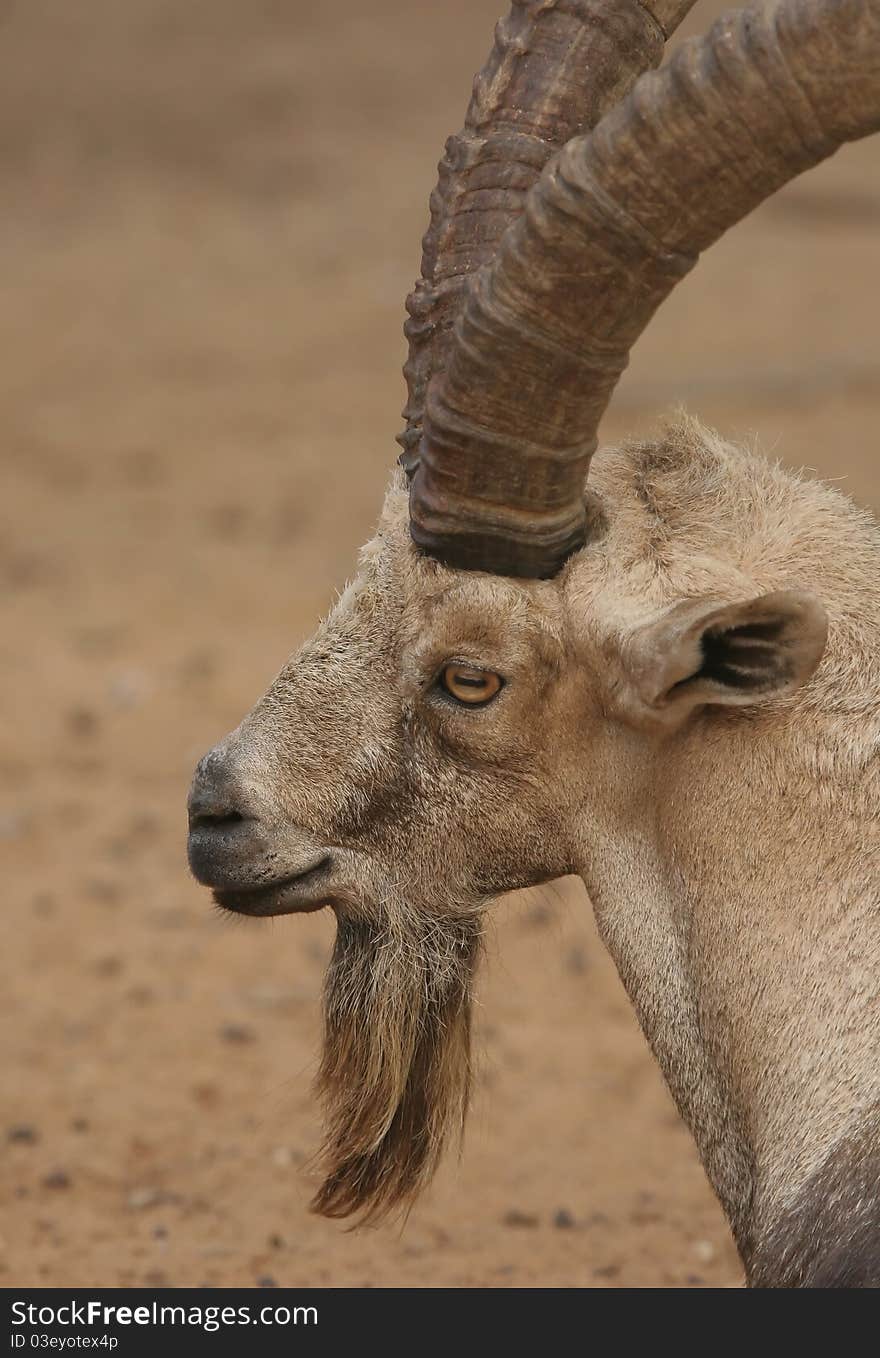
(557, 66)
(614, 223)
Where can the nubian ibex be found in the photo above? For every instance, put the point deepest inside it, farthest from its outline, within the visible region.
(665, 678)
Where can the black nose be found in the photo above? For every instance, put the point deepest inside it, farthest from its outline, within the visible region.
(213, 798)
(223, 833)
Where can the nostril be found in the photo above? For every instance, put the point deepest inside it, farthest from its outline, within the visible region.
(214, 820)
(217, 801)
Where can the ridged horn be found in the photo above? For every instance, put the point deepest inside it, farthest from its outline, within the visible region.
(557, 66)
(615, 221)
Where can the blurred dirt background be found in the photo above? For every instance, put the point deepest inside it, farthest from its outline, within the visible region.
(211, 215)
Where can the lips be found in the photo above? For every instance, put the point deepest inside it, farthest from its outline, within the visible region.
(254, 868)
(299, 894)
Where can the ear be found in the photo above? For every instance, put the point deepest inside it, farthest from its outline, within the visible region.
(700, 653)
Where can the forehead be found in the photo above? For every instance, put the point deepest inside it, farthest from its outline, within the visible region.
(426, 606)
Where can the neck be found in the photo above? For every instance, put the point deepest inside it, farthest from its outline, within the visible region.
(755, 985)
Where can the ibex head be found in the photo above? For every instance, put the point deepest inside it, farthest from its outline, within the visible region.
(526, 680)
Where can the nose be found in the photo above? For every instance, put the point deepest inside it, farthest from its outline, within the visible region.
(225, 836)
(214, 800)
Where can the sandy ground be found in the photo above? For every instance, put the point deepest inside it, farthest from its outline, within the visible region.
(211, 217)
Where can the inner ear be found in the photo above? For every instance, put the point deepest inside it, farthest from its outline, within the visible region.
(752, 656)
(701, 652)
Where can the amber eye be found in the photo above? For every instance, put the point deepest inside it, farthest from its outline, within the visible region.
(469, 685)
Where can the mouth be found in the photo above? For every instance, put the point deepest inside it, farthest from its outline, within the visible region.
(298, 895)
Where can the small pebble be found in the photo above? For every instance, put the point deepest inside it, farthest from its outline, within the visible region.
(237, 1032)
(23, 1134)
(563, 1220)
(107, 967)
(140, 1198)
(207, 1094)
(520, 1220)
(267, 1281)
(57, 1178)
(82, 722)
(103, 890)
(140, 995)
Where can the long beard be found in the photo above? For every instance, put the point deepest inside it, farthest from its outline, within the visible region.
(396, 1071)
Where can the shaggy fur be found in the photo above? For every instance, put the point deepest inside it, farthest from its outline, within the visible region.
(395, 1074)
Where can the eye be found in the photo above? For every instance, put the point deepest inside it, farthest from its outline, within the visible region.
(467, 684)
